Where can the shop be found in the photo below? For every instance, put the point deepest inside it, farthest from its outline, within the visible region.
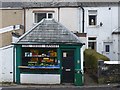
(48, 54)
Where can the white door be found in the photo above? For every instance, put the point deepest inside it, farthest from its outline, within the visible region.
(108, 51)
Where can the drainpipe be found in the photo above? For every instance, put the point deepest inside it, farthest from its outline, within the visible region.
(58, 14)
(83, 19)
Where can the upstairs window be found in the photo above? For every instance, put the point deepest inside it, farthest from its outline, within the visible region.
(92, 16)
(38, 16)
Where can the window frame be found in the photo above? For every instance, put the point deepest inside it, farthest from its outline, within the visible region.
(107, 49)
(47, 13)
(92, 13)
(92, 40)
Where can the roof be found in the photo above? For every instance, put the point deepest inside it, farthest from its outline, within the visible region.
(55, 3)
(49, 31)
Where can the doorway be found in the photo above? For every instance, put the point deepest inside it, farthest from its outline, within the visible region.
(68, 66)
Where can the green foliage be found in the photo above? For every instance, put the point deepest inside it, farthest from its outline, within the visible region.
(91, 58)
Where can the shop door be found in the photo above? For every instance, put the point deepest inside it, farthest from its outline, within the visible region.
(68, 66)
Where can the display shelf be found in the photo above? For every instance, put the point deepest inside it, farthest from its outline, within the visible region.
(39, 57)
(39, 67)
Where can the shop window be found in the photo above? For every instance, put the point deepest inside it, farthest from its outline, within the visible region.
(92, 17)
(107, 48)
(39, 57)
(92, 43)
(38, 16)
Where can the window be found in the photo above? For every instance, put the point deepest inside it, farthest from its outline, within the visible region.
(40, 57)
(92, 43)
(38, 16)
(92, 17)
(107, 48)
(50, 15)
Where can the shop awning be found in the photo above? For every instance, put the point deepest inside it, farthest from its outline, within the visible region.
(49, 31)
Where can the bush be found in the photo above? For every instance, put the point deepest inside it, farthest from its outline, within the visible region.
(91, 58)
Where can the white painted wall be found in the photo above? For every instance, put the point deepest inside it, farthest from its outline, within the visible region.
(109, 18)
(6, 64)
(40, 78)
(69, 17)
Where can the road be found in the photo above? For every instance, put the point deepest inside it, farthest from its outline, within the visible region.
(61, 88)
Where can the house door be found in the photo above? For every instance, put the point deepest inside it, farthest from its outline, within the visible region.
(68, 66)
(108, 51)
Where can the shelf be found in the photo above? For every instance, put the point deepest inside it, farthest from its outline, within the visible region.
(39, 67)
(39, 57)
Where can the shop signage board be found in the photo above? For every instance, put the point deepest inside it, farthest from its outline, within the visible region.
(42, 46)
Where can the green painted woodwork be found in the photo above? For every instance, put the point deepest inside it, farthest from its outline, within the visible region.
(77, 58)
(18, 62)
(78, 75)
(37, 71)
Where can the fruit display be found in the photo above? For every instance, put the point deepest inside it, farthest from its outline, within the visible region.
(41, 57)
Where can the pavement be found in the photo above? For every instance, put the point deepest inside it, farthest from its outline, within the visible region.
(89, 84)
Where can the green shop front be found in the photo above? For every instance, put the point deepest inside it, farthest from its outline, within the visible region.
(48, 54)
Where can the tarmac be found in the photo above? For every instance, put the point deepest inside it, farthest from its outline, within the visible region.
(12, 85)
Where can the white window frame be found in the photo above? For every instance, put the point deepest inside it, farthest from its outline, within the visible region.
(47, 13)
(95, 11)
(92, 41)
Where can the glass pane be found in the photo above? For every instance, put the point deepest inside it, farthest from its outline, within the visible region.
(50, 15)
(92, 19)
(39, 17)
(107, 48)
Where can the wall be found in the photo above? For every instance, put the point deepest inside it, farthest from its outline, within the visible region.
(30, 16)
(6, 65)
(40, 78)
(109, 72)
(8, 18)
(6, 34)
(70, 18)
(109, 18)
(12, 17)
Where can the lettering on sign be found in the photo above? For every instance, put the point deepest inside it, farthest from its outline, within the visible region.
(42, 46)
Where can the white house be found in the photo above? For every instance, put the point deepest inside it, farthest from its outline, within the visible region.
(100, 21)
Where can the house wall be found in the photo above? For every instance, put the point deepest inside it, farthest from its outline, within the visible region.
(6, 39)
(30, 16)
(71, 18)
(109, 18)
(11, 17)
(6, 65)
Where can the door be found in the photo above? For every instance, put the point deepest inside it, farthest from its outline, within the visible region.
(68, 66)
(108, 51)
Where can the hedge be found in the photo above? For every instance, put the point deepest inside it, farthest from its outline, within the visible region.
(91, 58)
